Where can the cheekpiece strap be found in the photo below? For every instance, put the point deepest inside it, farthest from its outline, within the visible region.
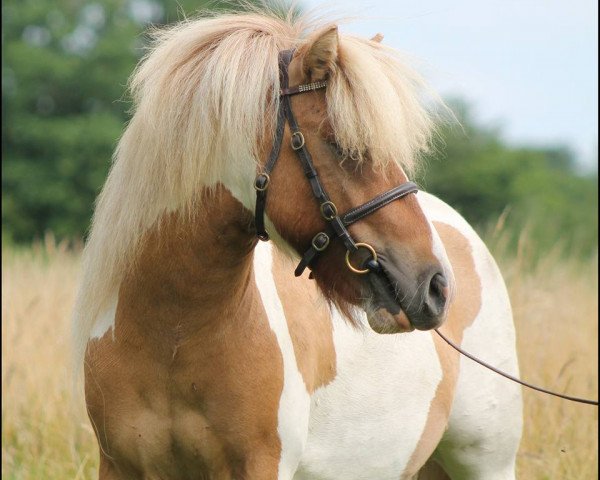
(261, 183)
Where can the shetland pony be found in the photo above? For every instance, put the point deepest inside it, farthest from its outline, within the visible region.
(203, 355)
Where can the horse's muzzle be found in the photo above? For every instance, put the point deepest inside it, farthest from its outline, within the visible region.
(419, 299)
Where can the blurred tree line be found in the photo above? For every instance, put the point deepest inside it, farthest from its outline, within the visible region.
(65, 64)
(535, 191)
(64, 70)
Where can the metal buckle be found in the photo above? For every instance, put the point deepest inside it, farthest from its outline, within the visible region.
(267, 180)
(325, 245)
(301, 139)
(359, 245)
(332, 205)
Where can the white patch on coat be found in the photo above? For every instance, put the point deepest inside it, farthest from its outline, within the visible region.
(437, 246)
(486, 419)
(294, 404)
(366, 423)
(105, 322)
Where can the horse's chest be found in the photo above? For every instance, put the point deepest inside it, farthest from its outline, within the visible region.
(370, 421)
(178, 445)
(143, 433)
(156, 421)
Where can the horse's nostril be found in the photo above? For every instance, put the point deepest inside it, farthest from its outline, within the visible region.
(438, 283)
(438, 292)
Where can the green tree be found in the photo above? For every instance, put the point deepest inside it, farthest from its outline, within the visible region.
(64, 70)
(482, 176)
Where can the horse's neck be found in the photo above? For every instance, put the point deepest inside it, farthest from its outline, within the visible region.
(195, 284)
(191, 269)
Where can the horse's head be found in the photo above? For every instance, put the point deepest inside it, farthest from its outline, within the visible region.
(358, 141)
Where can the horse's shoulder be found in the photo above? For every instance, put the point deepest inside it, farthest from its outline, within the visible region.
(307, 316)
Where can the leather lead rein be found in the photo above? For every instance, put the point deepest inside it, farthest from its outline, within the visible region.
(336, 223)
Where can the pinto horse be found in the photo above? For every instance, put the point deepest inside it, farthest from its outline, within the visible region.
(204, 356)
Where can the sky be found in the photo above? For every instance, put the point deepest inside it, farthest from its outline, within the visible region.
(527, 66)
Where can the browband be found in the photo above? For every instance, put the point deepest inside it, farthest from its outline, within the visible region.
(307, 87)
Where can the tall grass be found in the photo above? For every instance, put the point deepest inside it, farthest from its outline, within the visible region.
(555, 308)
(44, 434)
(47, 436)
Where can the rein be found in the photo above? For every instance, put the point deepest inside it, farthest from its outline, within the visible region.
(336, 223)
(510, 377)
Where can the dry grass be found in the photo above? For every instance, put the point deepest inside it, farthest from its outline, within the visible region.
(555, 306)
(44, 437)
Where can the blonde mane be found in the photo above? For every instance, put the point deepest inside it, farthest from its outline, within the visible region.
(202, 101)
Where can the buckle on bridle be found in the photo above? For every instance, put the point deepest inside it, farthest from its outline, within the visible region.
(320, 241)
(370, 249)
(297, 135)
(261, 182)
(332, 210)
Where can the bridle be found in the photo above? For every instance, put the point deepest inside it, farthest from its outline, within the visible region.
(336, 224)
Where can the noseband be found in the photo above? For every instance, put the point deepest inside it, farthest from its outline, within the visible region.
(336, 223)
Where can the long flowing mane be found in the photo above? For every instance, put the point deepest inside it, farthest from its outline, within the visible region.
(202, 101)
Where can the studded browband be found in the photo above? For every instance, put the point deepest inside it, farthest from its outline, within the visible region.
(336, 223)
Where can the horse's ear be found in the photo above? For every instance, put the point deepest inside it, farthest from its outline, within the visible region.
(320, 54)
(377, 38)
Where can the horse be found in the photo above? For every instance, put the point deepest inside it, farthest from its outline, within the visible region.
(205, 354)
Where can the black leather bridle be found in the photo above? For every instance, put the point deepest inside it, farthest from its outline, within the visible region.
(336, 223)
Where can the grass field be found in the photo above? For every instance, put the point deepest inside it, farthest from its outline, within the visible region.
(47, 436)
